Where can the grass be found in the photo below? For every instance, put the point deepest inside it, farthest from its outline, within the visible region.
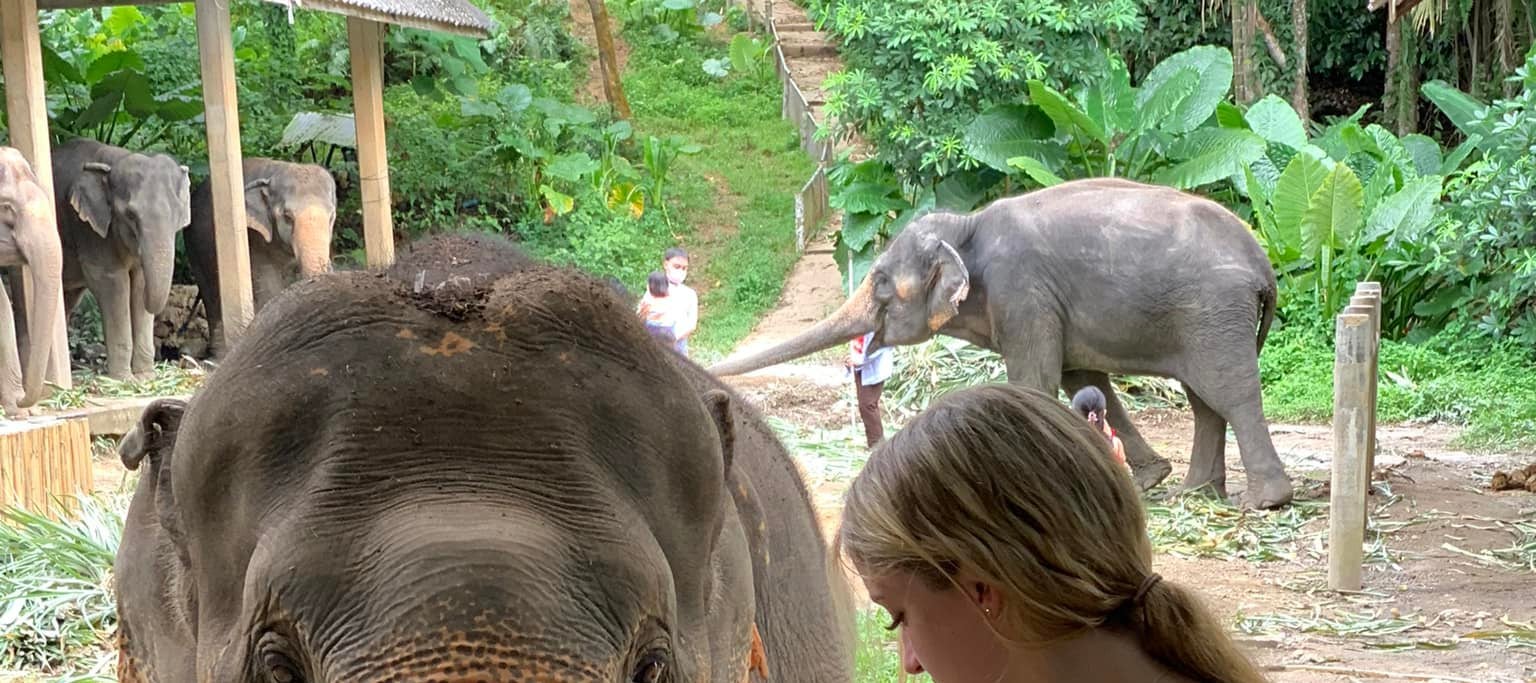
(737, 193)
(169, 379)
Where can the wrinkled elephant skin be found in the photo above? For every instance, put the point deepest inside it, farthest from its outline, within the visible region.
(1076, 282)
(476, 471)
(29, 236)
(118, 213)
(290, 212)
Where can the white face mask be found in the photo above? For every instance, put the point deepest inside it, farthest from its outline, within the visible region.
(676, 275)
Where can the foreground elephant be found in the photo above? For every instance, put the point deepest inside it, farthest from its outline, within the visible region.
(29, 236)
(119, 212)
(447, 474)
(1075, 282)
(290, 210)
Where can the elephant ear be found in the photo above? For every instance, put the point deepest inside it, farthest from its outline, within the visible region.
(949, 281)
(258, 207)
(183, 199)
(91, 196)
(719, 405)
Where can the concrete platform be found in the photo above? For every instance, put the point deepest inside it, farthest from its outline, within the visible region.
(108, 416)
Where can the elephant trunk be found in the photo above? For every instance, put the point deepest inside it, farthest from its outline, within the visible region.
(855, 317)
(312, 240)
(45, 262)
(158, 257)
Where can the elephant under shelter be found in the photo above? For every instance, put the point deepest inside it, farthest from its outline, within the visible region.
(469, 469)
(111, 231)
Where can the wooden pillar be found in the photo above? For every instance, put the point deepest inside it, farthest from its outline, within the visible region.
(28, 117)
(365, 40)
(222, 113)
(1346, 510)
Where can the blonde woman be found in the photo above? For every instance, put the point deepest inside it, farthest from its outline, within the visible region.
(997, 533)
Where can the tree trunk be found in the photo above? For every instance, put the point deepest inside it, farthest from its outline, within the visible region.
(1408, 84)
(1389, 91)
(608, 59)
(1244, 89)
(1299, 19)
(1505, 35)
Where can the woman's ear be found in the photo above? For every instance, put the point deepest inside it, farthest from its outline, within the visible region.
(985, 596)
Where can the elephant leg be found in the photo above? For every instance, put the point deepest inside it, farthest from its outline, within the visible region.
(143, 327)
(111, 290)
(1207, 459)
(1147, 467)
(11, 389)
(1232, 390)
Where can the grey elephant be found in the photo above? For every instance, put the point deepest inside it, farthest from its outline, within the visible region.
(1078, 281)
(119, 212)
(290, 211)
(29, 236)
(477, 470)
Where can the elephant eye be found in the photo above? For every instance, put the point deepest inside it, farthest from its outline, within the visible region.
(281, 669)
(652, 669)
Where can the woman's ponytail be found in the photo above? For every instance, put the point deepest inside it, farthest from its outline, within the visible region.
(1176, 631)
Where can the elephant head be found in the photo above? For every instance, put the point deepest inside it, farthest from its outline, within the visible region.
(911, 291)
(29, 235)
(517, 520)
(141, 201)
(296, 205)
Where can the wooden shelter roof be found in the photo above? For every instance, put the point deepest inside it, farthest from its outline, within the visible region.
(447, 16)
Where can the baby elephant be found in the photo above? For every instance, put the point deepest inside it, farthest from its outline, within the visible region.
(290, 210)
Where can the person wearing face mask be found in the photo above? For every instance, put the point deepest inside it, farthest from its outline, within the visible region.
(685, 303)
(1007, 549)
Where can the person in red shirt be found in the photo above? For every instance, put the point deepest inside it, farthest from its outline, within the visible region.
(1089, 402)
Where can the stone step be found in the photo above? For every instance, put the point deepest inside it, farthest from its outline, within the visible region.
(806, 48)
(793, 27)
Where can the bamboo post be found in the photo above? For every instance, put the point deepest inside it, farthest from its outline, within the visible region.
(1368, 295)
(365, 39)
(27, 111)
(226, 174)
(43, 460)
(1351, 383)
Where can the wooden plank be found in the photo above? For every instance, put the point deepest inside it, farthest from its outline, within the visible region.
(222, 112)
(44, 462)
(365, 40)
(27, 113)
(1346, 512)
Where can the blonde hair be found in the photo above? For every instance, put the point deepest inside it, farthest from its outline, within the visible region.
(1013, 486)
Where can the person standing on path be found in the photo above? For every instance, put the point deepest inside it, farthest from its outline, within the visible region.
(685, 302)
(870, 370)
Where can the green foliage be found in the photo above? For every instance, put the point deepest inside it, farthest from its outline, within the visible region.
(920, 71)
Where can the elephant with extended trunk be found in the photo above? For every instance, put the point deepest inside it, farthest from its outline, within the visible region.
(290, 210)
(476, 469)
(1079, 281)
(29, 236)
(119, 212)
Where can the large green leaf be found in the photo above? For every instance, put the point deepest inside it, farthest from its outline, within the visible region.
(1006, 131)
(1406, 213)
(1209, 155)
(1061, 110)
(1036, 170)
(1275, 121)
(1111, 102)
(573, 166)
(113, 61)
(1293, 196)
(963, 190)
(860, 229)
(1229, 116)
(1212, 67)
(1153, 111)
(867, 197)
(1462, 109)
(1425, 153)
(1333, 216)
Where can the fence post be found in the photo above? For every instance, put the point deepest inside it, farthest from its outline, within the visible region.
(1353, 351)
(1369, 293)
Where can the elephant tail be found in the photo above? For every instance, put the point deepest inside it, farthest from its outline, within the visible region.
(1267, 297)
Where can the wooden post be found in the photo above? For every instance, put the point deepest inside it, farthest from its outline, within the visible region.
(222, 112)
(1368, 295)
(1346, 517)
(365, 39)
(28, 116)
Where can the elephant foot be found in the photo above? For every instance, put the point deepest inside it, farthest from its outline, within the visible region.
(1268, 494)
(1152, 473)
(143, 375)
